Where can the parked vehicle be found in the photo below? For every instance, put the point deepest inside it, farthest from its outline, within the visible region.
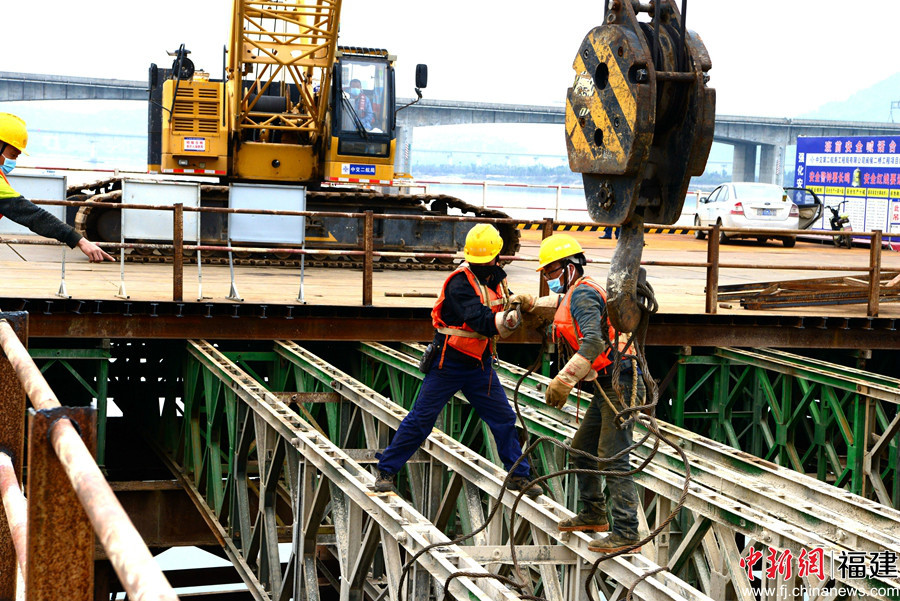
(688, 210)
(840, 223)
(748, 205)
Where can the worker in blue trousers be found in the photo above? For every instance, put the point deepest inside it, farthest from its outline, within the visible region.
(468, 316)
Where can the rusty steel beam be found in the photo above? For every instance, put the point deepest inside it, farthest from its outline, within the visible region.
(57, 524)
(227, 321)
(15, 509)
(164, 515)
(874, 274)
(369, 245)
(135, 567)
(12, 442)
(178, 253)
(712, 270)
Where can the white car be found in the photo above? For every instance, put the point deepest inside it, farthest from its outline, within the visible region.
(748, 205)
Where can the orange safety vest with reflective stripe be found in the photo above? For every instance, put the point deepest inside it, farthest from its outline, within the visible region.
(566, 328)
(463, 338)
(6, 190)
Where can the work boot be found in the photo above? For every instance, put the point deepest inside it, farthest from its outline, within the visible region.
(384, 482)
(613, 542)
(587, 520)
(520, 483)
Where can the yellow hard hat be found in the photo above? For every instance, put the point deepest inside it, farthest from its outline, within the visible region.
(556, 247)
(483, 243)
(13, 132)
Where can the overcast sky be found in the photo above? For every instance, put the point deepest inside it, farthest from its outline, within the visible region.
(777, 58)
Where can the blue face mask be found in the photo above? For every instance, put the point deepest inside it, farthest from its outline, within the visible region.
(354, 92)
(8, 165)
(556, 285)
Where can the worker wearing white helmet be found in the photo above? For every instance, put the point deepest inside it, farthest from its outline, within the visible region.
(14, 206)
(467, 317)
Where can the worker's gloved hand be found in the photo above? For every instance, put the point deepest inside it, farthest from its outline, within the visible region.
(573, 372)
(557, 393)
(526, 301)
(507, 322)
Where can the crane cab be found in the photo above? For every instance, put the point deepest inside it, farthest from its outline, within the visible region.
(359, 147)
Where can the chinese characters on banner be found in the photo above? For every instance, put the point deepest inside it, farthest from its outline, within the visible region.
(858, 175)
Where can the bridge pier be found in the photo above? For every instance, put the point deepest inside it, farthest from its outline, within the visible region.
(771, 163)
(744, 163)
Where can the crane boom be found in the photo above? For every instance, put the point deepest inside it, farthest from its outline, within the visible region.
(283, 50)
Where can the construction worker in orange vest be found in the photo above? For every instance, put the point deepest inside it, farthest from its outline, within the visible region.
(468, 315)
(578, 326)
(14, 206)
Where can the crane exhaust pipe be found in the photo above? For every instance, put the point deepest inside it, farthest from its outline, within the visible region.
(623, 308)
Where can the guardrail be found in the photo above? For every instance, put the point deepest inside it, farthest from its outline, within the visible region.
(68, 499)
(368, 253)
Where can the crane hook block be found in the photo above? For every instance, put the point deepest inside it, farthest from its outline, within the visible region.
(639, 115)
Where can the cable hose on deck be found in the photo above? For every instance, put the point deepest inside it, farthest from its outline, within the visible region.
(629, 413)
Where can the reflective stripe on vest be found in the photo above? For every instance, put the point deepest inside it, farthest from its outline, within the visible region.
(463, 338)
(566, 328)
(4, 187)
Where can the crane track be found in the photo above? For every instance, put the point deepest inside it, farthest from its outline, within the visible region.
(108, 192)
(275, 262)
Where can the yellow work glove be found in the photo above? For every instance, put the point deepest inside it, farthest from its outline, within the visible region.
(558, 391)
(526, 301)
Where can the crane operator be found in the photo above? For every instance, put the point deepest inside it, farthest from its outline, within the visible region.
(361, 105)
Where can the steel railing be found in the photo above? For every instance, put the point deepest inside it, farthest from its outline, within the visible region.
(712, 265)
(131, 559)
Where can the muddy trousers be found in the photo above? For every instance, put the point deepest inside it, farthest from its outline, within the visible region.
(482, 389)
(599, 436)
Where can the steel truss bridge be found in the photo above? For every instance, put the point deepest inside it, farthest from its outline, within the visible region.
(265, 452)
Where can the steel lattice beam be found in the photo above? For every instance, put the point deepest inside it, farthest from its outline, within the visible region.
(392, 514)
(743, 493)
(542, 513)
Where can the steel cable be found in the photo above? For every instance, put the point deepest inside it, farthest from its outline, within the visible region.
(629, 413)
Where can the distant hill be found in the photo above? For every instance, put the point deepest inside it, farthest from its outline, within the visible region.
(871, 104)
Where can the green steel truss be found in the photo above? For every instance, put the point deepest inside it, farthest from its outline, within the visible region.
(278, 449)
(835, 423)
(88, 369)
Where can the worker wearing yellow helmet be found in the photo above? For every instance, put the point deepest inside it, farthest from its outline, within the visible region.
(14, 206)
(468, 315)
(581, 328)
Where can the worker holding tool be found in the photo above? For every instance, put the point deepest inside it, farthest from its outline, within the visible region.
(14, 206)
(579, 325)
(469, 315)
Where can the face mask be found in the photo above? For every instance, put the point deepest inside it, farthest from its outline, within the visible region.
(485, 273)
(556, 285)
(8, 165)
(354, 92)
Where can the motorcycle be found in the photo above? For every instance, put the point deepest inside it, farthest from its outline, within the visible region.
(840, 223)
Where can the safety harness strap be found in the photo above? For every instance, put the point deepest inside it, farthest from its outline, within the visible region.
(461, 333)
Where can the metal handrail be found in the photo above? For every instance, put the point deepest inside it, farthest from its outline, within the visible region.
(15, 507)
(131, 559)
(712, 264)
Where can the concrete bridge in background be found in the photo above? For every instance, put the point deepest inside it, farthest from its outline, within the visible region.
(750, 136)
